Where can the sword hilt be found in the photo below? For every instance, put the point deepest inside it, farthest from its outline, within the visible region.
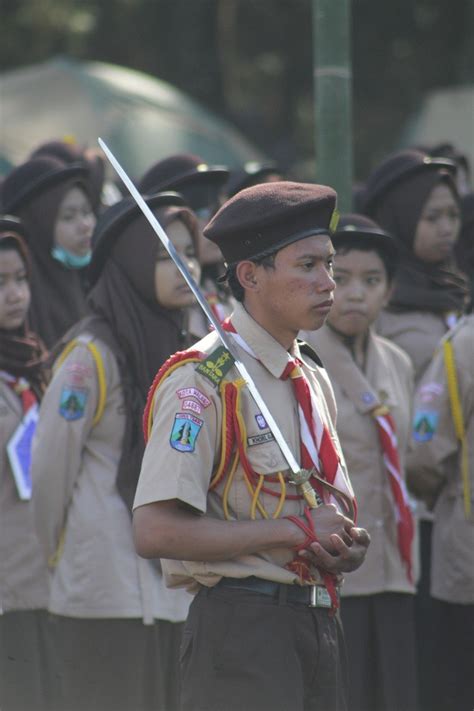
(301, 480)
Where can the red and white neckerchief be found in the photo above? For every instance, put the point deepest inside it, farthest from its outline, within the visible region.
(405, 528)
(317, 449)
(216, 307)
(22, 388)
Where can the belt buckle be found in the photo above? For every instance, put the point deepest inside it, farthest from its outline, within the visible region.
(319, 596)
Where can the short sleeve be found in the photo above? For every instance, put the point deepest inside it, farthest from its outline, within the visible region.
(184, 443)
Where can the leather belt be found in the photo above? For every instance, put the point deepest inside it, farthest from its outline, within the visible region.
(310, 595)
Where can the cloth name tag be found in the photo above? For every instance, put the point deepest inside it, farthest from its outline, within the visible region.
(260, 439)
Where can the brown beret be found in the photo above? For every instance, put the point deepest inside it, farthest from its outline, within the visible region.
(266, 217)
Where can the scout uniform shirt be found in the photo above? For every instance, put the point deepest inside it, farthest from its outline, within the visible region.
(82, 521)
(435, 460)
(416, 332)
(184, 448)
(23, 570)
(388, 380)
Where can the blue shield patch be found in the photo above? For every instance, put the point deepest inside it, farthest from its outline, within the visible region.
(72, 403)
(424, 425)
(185, 430)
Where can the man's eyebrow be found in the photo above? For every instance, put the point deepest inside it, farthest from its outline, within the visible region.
(366, 271)
(329, 255)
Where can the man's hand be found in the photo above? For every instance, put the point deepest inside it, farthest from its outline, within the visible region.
(328, 521)
(346, 557)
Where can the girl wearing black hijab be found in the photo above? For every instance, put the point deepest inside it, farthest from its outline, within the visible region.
(117, 625)
(414, 197)
(25, 660)
(52, 199)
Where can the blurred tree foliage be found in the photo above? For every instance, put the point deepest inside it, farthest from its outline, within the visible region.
(251, 60)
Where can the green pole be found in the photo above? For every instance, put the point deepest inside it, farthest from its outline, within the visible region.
(333, 97)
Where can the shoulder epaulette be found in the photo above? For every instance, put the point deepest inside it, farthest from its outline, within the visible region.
(169, 366)
(215, 365)
(309, 351)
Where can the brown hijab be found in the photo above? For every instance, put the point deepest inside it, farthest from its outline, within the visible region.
(58, 294)
(22, 354)
(141, 333)
(418, 285)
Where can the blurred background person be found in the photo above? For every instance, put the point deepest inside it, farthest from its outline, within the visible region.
(116, 623)
(465, 245)
(415, 198)
(252, 173)
(52, 199)
(463, 168)
(25, 653)
(69, 152)
(202, 187)
(373, 384)
(442, 462)
(103, 192)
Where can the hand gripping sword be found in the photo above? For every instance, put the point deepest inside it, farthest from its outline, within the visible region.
(300, 477)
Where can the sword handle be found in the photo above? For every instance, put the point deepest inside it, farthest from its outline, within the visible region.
(301, 480)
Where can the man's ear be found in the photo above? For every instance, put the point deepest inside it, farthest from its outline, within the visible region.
(246, 273)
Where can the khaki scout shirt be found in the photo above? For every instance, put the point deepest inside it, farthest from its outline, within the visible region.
(388, 379)
(23, 570)
(435, 458)
(416, 332)
(168, 473)
(74, 469)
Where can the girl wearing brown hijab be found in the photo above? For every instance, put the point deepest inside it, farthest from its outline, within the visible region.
(25, 660)
(414, 197)
(117, 625)
(52, 200)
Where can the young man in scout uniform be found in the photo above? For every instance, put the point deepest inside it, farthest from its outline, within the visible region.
(215, 498)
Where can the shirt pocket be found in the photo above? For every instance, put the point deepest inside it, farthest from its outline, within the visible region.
(264, 454)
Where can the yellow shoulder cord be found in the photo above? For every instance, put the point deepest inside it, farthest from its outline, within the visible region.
(232, 421)
(458, 419)
(54, 558)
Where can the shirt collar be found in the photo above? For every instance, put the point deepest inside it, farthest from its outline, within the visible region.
(269, 352)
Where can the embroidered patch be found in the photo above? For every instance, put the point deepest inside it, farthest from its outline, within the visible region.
(216, 365)
(424, 425)
(429, 391)
(261, 422)
(77, 372)
(73, 402)
(195, 393)
(191, 405)
(185, 431)
(260, 439)
(367, 398)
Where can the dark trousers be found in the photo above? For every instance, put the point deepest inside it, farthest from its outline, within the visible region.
(116, 665)
(426, 619)
(380, 636)
(27, 674)
(453, 683)
(248, 651)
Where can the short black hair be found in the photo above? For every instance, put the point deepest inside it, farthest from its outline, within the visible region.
(345, 243)
(266, 260)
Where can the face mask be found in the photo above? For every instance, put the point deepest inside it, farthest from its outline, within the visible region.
(72, 261)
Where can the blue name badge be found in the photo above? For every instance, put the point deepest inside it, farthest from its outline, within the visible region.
(19, 452)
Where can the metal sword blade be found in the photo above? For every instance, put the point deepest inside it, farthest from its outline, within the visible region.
(226, 341)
